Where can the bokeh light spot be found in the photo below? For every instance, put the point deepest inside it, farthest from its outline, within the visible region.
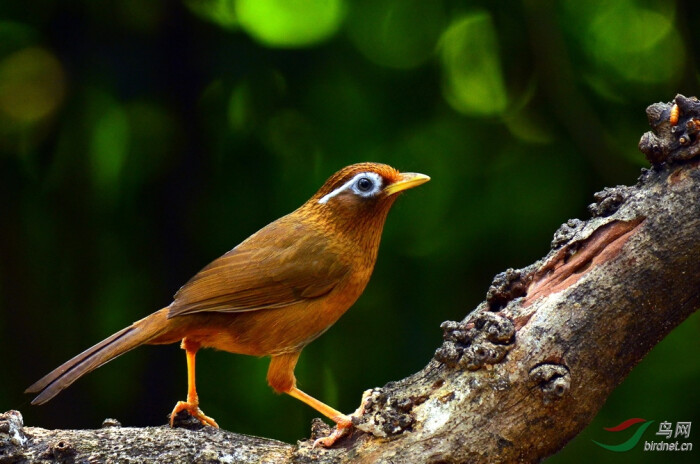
(109, 146)
(637, 43)
(239, 107)
(627, 44)
(290, 23)
(396, 33)
(473, 78)
(32, 85)
(221, 12)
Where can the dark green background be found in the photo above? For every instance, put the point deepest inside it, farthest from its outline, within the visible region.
(141, 139)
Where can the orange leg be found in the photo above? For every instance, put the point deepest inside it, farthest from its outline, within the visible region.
(280, 376)
(192, 403)
(342, 421)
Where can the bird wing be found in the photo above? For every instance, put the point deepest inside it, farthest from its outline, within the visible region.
(279, 266)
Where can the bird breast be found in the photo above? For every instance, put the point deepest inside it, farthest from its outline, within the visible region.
(275, 292)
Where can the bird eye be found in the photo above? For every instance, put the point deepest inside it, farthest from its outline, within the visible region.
(364, 184)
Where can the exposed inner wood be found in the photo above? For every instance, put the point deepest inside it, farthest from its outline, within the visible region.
(574, 260)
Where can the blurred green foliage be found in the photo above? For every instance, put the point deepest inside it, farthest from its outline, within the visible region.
(473, 82)
(140, 140)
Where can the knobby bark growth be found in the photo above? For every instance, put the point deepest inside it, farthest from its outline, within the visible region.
(522, 374)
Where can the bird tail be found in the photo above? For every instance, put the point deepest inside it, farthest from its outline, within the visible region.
(139, 333)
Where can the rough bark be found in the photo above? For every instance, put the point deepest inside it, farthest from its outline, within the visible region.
(519, 376)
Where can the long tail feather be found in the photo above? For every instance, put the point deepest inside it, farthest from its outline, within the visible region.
(137, 334)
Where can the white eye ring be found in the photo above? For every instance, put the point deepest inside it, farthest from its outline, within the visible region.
(364, 191)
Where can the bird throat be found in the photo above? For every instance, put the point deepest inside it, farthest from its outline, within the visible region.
(358, 224)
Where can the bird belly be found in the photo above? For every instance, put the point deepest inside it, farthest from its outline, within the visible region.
(272, 331)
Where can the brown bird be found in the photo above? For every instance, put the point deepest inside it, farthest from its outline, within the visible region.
(273, 294)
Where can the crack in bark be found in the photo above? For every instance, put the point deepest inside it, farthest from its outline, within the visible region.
(576, 259)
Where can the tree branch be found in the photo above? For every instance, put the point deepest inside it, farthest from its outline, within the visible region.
(521, 375)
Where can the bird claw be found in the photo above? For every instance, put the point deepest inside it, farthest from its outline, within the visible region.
(344, 424)
(342, 428)
(194, 411)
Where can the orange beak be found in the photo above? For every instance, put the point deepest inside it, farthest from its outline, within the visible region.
(407, 180)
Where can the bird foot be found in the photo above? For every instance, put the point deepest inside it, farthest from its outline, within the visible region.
(194, 411)
(342, 428)
(344, 424)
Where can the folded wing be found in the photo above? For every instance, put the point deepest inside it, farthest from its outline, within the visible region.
(289, 263)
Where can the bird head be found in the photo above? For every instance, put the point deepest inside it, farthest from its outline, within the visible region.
(365, 185)
(362, 194)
